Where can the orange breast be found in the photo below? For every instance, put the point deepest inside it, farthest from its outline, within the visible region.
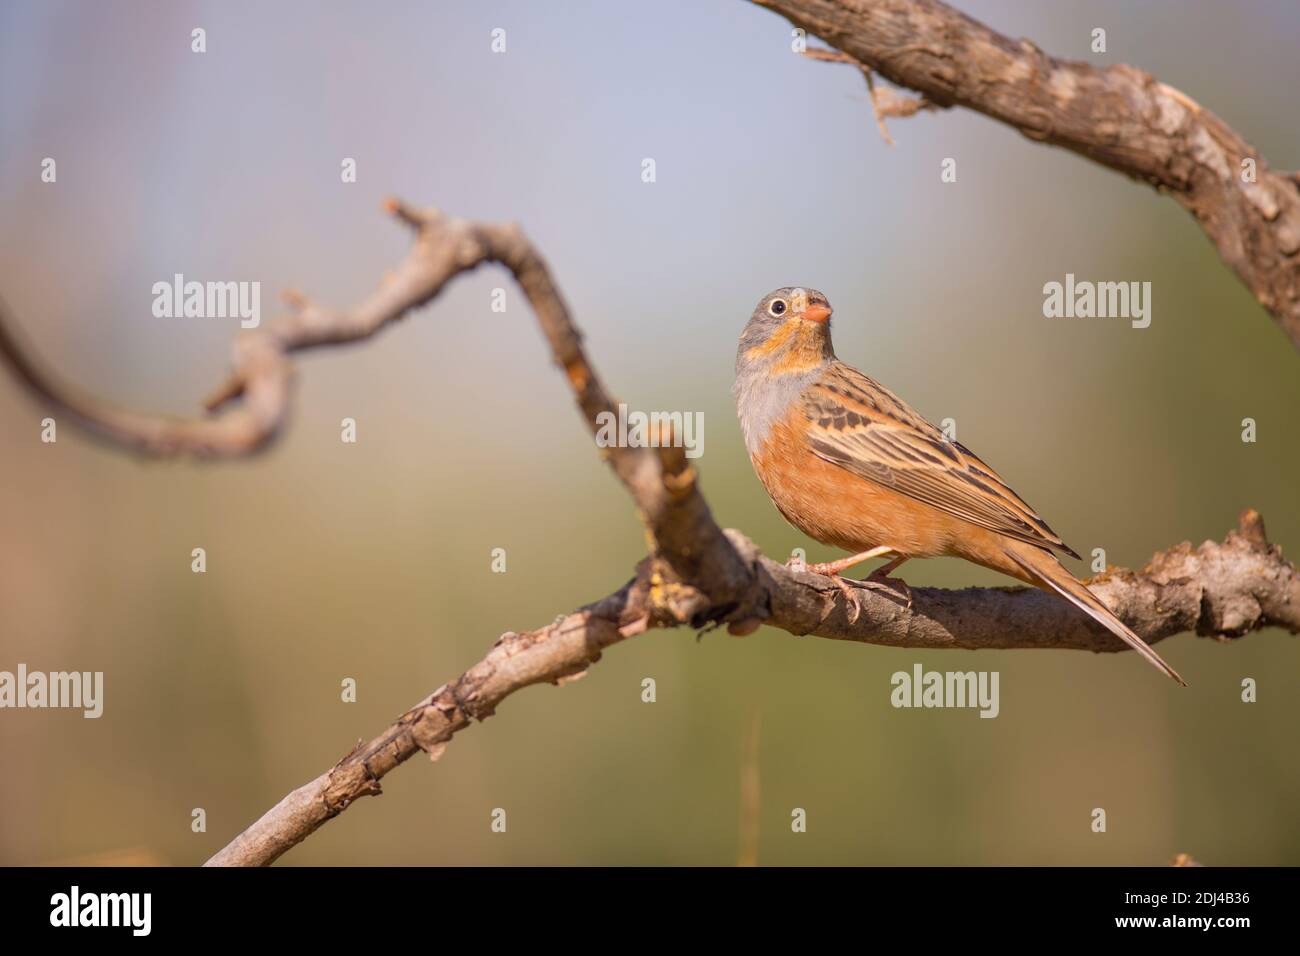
(840, 509)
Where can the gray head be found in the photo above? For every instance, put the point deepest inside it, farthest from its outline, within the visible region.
(789, 327)
(784, 348)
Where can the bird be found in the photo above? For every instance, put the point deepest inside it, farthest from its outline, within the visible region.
(853, 466)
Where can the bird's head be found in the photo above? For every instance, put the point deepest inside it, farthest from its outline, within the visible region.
(790, 331)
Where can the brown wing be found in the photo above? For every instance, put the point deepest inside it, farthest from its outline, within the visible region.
(858, 424)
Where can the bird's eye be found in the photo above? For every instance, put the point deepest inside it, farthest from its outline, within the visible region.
(777, 307)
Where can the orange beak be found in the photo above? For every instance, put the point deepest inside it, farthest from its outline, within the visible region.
(816, 313)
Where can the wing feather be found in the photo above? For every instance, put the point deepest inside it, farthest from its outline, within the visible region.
(861, 426)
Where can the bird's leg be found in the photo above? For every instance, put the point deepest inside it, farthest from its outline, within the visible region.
(881, 575)
(878, 579)
(833, 568)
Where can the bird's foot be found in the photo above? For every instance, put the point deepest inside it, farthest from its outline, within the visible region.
(846, 587)
(895, 587)
(878, 580)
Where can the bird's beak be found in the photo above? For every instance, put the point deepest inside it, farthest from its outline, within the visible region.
(816, 312)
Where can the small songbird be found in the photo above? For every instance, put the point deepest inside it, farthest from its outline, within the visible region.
(850, 464)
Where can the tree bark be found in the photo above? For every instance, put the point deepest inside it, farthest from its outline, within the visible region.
(1119, 116)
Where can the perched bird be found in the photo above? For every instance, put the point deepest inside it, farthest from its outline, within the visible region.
(849, 463)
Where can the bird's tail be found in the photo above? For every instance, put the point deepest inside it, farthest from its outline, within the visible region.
(1048, 573)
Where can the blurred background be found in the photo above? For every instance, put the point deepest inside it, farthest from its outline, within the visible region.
(372, 561)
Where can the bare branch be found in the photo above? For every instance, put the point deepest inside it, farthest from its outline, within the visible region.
(1119, 116)
(553, 654)
(661, 482)
(1221, 590)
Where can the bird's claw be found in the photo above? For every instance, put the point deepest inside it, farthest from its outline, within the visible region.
(896, 587)
(846, 586)
(893, 585)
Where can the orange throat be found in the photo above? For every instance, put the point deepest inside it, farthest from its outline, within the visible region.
(795, 347)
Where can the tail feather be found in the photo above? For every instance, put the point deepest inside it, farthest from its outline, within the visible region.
(1047, 572)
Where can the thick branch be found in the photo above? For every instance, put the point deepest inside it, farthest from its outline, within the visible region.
(1118, 116)
(1220, 590)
